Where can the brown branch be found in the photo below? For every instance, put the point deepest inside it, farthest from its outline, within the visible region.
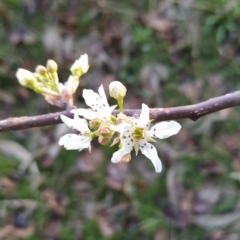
(193, 112)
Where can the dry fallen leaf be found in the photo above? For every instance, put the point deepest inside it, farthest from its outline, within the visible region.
(11, 232)
(6, 231)
(23, 233)
(56, 202)
(162, 235)
(89, 162)
(53, 230)
(160, 24)
(117, 175)
(7, 185)
(109, 220)
(215, 221)
(105, 227)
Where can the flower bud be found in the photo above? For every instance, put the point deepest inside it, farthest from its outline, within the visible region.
(41, 70)
(121, 118)
(27, 79)
(104, 140)
(117, 90)
(95, 124)
(52, 66)
(41, 75)
(104, 130)
(80, 66)
(52, 75)
(126, 158)
(24, 76)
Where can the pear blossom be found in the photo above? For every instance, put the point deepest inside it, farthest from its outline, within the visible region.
(95, 100)
(98, 103)
(135, 134)
(117, 90)
(46, 82)
(27, 79)
(76, 141)
(52, 65)
(24, 76)
(80, 66)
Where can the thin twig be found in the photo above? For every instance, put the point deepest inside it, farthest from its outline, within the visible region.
(194, 112)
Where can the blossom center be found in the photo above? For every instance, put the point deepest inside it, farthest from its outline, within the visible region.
(138, 134)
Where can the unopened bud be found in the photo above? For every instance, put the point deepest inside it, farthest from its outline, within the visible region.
(126, 158)
(24, 77)
(95, 124)
(117, 90)
(41, 70)
(80, 66)
(104, 130)
(52, 66)
(27, 79)
(104, 140)
(121, 118)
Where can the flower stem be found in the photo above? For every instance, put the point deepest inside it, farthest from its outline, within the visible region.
(120, 104)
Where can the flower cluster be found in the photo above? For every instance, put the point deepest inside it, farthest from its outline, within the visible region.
(130, 132)
(45, 81)
(98, 121)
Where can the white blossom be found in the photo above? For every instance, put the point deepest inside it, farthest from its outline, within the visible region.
(80, 66)
(95, 100)
(98, 103)
(117, 90)
(76, 141)
(24, 76)
(136, 134)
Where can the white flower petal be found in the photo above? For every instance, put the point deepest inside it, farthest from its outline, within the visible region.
(143, 119)
(83, 62)
(122, 128)
(117, 156)
(91, 98)
(71, 85)
(96, 101)
(68, 121)
(86, 113)
(74, 141)
(103, 95)
(24, 75)
(150, 152)
(101, 113)
(165, 129)
(60, 87)
(105, 112)
(76, 123)
(80, 124)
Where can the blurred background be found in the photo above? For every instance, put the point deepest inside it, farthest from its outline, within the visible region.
(168, 53)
